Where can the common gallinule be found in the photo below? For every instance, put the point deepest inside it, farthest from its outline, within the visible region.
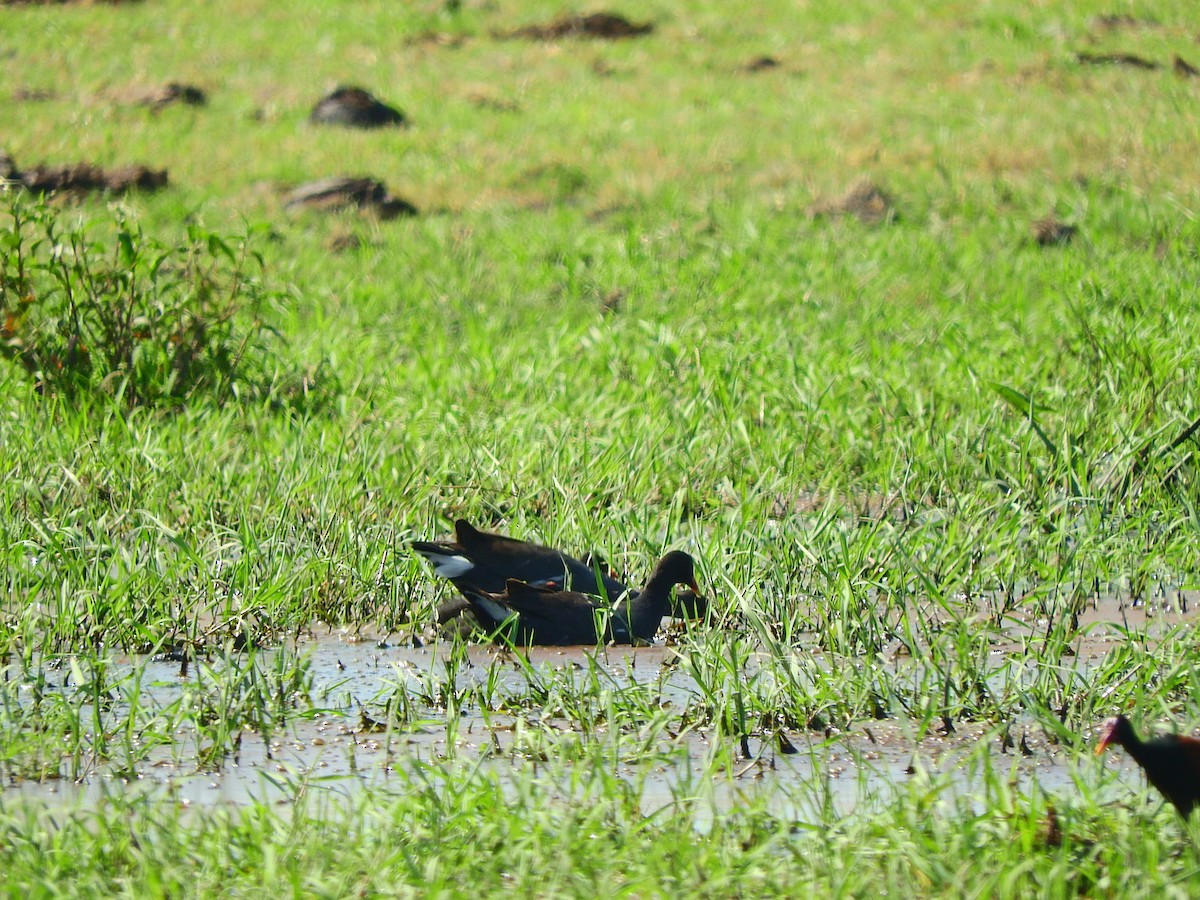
(550, 617)
(483, 562)
(1171, 761)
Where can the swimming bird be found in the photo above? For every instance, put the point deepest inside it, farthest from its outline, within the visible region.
(550, 617)
(1171, 761)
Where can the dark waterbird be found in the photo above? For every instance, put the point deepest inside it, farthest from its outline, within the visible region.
(1171, 761)
(550, 617)
(481, 562)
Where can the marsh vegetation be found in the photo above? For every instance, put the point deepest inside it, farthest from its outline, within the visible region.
(892, 334)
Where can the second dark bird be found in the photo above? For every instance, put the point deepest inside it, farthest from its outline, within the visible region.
(482, 562)
(1171, 761)
(549, 617)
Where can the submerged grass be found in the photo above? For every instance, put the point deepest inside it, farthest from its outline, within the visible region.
(910, 456)
(540, 835)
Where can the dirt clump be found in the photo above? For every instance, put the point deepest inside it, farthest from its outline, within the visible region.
(1115, 59)
(437, 39)
(1184, 69)
(866, 201)
(65, 2)
(343, 242)
(82, 177)
(173, 92)
(33, 95)
(1050, 232)
(602, 26)
(1114, 21)
(762, 64)
(354, 107)
(345, 192)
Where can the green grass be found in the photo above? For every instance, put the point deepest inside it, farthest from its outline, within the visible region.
(906, 455)
(534, 834)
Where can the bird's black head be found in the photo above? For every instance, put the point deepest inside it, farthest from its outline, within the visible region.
(676, 567)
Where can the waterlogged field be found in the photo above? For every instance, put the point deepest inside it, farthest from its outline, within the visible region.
(884, 316)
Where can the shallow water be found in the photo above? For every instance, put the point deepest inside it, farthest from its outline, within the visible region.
(339, 753)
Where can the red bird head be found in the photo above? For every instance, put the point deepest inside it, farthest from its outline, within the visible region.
(1117, 730)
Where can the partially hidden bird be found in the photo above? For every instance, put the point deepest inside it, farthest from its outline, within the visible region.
(1171, 761)
(482, 562)
(528, 615)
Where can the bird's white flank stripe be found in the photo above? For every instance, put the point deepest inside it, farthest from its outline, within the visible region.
(449, 565)
(495, 610)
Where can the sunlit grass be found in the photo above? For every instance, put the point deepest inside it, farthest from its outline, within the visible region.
(543, 834)
(908, 457)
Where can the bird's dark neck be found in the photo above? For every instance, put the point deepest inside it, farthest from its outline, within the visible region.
(1158, 758)
(644, 613)
(1140, 751)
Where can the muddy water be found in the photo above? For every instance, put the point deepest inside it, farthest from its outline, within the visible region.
(339, 753)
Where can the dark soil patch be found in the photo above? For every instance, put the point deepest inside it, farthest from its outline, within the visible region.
(1050, 232)
(353, 107)
(170, 93)
(487, 100)
(1114, 21)
(343, 242)
(866, 201)
(1184, 69)
(65, 2)
(346, 193)
(559, 181)
(82, 177)
(602, 26)
(762, 64)
(610, 303)
(1116, 59)
(437, 39)
(33, 95)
